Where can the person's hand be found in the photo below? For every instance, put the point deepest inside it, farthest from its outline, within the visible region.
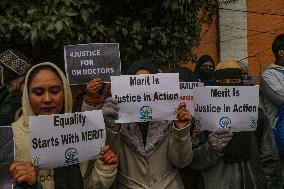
(110, 109)
(183, 116)
(108, 157)
(23, 172)
(93, 88)
(220, 138)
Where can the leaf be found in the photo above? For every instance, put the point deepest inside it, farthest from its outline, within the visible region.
(59, 26)
(31, 11)
(136, 26)
(73, 13)
(50, 27)
(124, 31)
(84, 15)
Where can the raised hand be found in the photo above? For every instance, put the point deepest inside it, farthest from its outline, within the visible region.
(108, 157)
(220, 138)
(93, 88)
(183, 116)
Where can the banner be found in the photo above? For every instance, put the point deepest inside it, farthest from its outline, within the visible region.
(63, 139)
(85, 62)
(186, 94)
(234, 107)
(148, 97)
(7, 156)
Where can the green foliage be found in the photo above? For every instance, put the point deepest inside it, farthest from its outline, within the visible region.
(162, 30)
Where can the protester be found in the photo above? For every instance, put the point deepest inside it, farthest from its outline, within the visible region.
(272, 90)
(204, 70)
(13, 67)
(191, 178)
(46, 92)
(185, 74)
(243, 160)
(150, 152)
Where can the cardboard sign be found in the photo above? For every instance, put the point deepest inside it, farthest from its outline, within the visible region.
(63, 139)
(143, 98)
(7, 156)
(234, 107)
(186, 94)
(85, 62)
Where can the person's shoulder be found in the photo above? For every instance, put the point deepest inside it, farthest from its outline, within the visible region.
(273, 70)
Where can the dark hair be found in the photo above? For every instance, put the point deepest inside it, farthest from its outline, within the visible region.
(278, 44)
(35, 71)
(142, 64)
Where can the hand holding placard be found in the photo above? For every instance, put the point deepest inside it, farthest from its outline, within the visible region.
(93, 88)
(220, 138)
(108, 157)
(110, 112)
(23, 172)
(183, 116)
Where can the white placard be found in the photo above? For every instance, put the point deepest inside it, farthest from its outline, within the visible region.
(226, 106)
(186, 94)
(63, 139)
(146, 97)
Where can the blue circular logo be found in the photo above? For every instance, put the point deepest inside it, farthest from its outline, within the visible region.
(146, 113)
(71, 156)
(225, 122)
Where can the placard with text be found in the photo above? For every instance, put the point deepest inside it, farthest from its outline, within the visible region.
(143, 98)
(234, 107)
(84, 62)
(186, 94)
(63, 139)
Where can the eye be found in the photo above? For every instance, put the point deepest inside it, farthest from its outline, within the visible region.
(38, 91)
(55, 90)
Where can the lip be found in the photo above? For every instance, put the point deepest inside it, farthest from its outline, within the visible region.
(47, 108)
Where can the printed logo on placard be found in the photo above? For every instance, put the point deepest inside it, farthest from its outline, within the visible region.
(253, 122)
(71, 156)
(146, 113)
(225, 122)
(37, 161)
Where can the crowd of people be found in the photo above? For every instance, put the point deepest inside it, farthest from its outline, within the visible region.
(148, 155)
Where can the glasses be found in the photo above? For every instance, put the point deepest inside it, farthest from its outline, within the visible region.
(207, 66)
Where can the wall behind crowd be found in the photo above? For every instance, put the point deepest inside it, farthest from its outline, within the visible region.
(265, 20)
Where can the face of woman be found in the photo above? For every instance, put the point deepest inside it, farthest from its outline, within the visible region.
(46, 93)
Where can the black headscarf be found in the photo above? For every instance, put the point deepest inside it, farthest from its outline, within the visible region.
(141, 64)
(185, 74)
(206, 77)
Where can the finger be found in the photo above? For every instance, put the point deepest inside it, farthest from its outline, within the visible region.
(107, 154)
(112, 161)
(110, 112)
(181, 115)
(16, 166)
(111, 99)
(111, 105)
(30, 179)
(222, 131)
(226, 140)
(23, 166)
(106, 148)
(224, 135)
(96, 86)
(96, 80)
(181, 105)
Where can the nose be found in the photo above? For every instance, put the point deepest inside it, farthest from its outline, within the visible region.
(47, 98)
